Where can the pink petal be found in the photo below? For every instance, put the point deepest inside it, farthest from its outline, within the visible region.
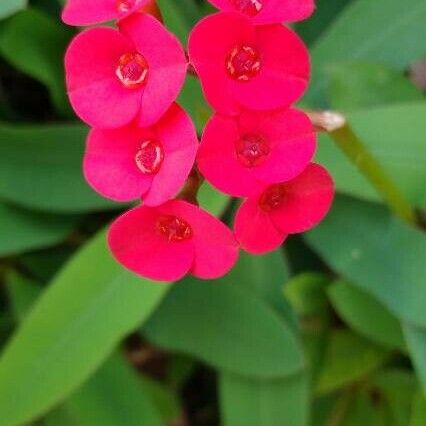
(216, 250)
(95, 92)
(84, 12)
(109, 163)
(218, 162)
(308, 199)
(273, 11)
(292, 140)
(137, 244)
(208, 48)
(167, 64)
(254, 229)
(178, 137)
(284, 74)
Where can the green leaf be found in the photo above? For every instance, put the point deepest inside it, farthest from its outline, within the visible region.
(10, 7)
(40, 168)
(248, 402)
(397, 389)
(22, 230)
(227, 327)
(380, 30)
(356, 85)
(404, 161)
(418, 417)
(366, 315)
(35, 44)
(91, 304)
(114, 396)
(348, 358)
(416, 341)
(363, 411)
(211, 200)
(377, 253)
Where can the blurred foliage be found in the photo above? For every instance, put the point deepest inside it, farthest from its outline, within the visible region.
(328, 331)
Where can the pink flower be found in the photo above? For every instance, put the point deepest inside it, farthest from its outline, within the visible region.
(114, 77)
(167, 242)
(268, 11)
(132, 162)
(242, 65)
(264, 220)
(240, 155)
(88, 12)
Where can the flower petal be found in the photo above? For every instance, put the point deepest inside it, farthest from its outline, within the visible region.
(254, 229)
(167, 64)
(218, 162)
(292, 141)
(95, 92)
(137, 244)
(307, 201)
(216, 250)
(178, 136)
(109, 163)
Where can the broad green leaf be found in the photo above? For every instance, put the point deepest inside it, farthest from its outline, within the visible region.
(114, 396)
(416, 341)
(227, 327)
(35, 44)
(380, 30)
(376, 252)
(40, 168)
(348, 358)
(366, 315)
(101, 399)
(364, 411)
(399, 148)
(90, 305)
(249, 402)
(22, 230)
(8, 7)
(357, 85)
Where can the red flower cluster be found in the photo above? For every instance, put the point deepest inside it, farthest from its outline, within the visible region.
(124, 83)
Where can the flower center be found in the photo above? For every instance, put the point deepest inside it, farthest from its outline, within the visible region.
(252, 150)
(149, 157)
(174, 228)
(272, 198)
(132, 70)
(124, 6)
(250, 7)
(243, 63)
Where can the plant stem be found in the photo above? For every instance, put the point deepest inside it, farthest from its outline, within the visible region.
(351, 145)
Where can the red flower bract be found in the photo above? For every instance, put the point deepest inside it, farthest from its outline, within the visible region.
(268, 11)
(169, 241)
(242, 65)
(264, 220)
(132, 162)
(114, 77)
(88, 12)
(239, 155)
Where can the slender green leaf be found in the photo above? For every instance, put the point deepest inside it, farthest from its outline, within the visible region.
(366, 315)
(8, 7)
(377, 253)
(40, 167)
(416, 341)
(399, 148)
(248, 402)
(73, 327)
(379, 30)
(35, 44)
(22, 230)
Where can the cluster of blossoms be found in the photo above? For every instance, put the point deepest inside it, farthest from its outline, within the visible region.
(124, 83)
